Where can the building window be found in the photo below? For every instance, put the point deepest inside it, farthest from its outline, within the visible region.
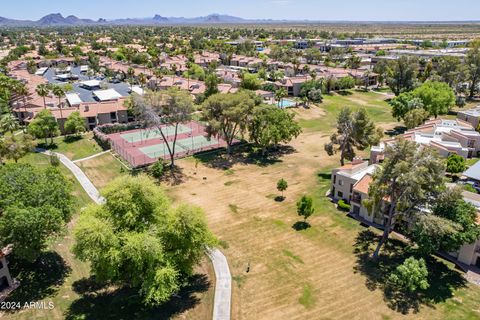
(340, 194)
(340, 182)
(351, 187)
(334, 179)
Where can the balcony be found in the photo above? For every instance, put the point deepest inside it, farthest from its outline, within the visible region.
(357, 198)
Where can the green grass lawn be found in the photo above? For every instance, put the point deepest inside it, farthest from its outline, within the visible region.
(75, 148)
(375, 105)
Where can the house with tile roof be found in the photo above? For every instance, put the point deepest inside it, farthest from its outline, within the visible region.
(446, 136)
(351, 184)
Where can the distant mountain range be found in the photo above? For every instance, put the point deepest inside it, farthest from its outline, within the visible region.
(57, 19)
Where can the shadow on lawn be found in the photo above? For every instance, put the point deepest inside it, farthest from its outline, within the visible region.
(398, 130)
(40, 279)
(301, 225)
(101, 302)
(243, 154)
(443, 280)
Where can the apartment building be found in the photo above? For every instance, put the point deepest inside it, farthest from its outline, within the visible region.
(446, 136)
(351, 183)
(471, 116)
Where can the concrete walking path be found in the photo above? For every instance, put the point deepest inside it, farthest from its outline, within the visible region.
(91, 157)
(223, 283)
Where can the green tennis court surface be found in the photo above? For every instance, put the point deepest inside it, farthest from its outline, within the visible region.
(182, 145)
(149, 134)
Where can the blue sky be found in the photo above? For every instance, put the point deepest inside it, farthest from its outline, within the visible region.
(360, 10)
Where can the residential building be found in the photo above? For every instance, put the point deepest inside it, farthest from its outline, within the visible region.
(351, 183)
(446, 136)
(471, 116)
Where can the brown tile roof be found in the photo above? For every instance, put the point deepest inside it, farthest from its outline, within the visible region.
(363, 184)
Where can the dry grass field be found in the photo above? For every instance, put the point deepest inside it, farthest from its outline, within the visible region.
(282, 273)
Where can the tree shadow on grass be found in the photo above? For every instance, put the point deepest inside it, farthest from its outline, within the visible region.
(243, 154)
(279, 198)
(443, 280)
(325, 176)
(301, 225)
(72, 139)
(98, 301)
(398, 130)
(40, 279)
(173, 176)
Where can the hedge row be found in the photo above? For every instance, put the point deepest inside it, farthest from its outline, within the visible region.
(101, 133)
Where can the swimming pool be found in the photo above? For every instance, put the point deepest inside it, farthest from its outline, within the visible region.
(287, 103)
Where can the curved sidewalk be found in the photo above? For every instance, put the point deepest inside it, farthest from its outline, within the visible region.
(223, 283)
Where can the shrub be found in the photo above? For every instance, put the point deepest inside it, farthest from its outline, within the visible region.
(410, 276)
(54, 160)
(158, 169)
(342, 205)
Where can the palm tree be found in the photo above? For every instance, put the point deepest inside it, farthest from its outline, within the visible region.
(280, 94)
(131, 74)
(158, 75)
(174, 70)
(142, 78)
(43, 90)
(8, 122)
(59, 92)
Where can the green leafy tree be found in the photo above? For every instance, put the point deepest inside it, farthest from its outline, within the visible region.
(411, 275)
(75, 124)
(345, 83)
(14, 148)
(270, 126)
(35, 206)
(437, 97)
(44, 125)
(451, 71)
(404, 103)
(354, 130)
(305, 207)
(402, 74)
(456, 164)
(137, 239)
(282, 185)
(472, 65)
(211, 84)
(407, 178)
(451, 224)
(228, 114)
(415, 118)
(250, 81)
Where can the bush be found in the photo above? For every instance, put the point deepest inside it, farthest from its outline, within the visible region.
(158, 169)
(342, 205)
(410, 276)
(54, 160)
(456, 164)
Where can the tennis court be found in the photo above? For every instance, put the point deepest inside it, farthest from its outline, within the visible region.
(141, 147)
(181, 146)
(150, 134)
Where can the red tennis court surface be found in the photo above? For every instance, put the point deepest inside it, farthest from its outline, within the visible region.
(142, 147)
